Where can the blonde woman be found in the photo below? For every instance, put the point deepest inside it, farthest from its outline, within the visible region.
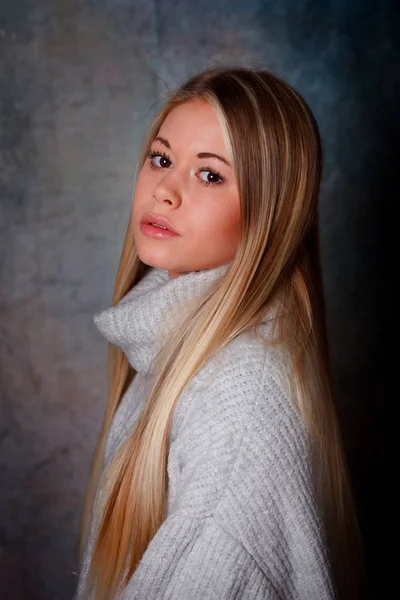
(219, 472)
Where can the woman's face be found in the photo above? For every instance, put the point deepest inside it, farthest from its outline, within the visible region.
(197, 193)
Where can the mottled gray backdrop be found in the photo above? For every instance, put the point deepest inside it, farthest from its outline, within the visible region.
(79, 81)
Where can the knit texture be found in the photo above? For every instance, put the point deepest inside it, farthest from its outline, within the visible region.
(242, 521)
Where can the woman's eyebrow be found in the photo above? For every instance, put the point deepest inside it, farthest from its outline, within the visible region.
(199, 155)
(212, 155)
(163, 141)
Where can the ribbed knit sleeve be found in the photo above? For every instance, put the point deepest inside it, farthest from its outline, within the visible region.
(195, 559)
(242, 520)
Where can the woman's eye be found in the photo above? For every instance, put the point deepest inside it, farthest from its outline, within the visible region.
(210, 177)
(163, 161)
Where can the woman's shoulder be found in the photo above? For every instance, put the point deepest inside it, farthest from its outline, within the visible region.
(253, 360)
(244, 383)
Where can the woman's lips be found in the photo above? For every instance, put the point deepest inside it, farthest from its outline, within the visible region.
(156, 232)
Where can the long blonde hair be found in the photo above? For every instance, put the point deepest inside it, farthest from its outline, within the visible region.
(274, 143)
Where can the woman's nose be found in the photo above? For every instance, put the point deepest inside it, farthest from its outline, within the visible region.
(166, 191)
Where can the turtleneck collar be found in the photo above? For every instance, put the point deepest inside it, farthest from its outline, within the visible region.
(137, 323)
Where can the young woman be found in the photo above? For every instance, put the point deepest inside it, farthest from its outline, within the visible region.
(219, 472)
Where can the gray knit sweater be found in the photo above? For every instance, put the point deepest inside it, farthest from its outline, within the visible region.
(242, 521)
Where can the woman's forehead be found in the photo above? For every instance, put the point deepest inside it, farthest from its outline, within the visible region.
(194, 127)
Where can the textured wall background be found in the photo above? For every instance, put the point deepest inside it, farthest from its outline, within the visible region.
(79, 80)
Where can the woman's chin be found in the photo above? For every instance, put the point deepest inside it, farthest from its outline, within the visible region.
(154, 260)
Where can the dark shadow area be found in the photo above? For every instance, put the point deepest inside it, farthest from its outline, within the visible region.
(368, 158)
